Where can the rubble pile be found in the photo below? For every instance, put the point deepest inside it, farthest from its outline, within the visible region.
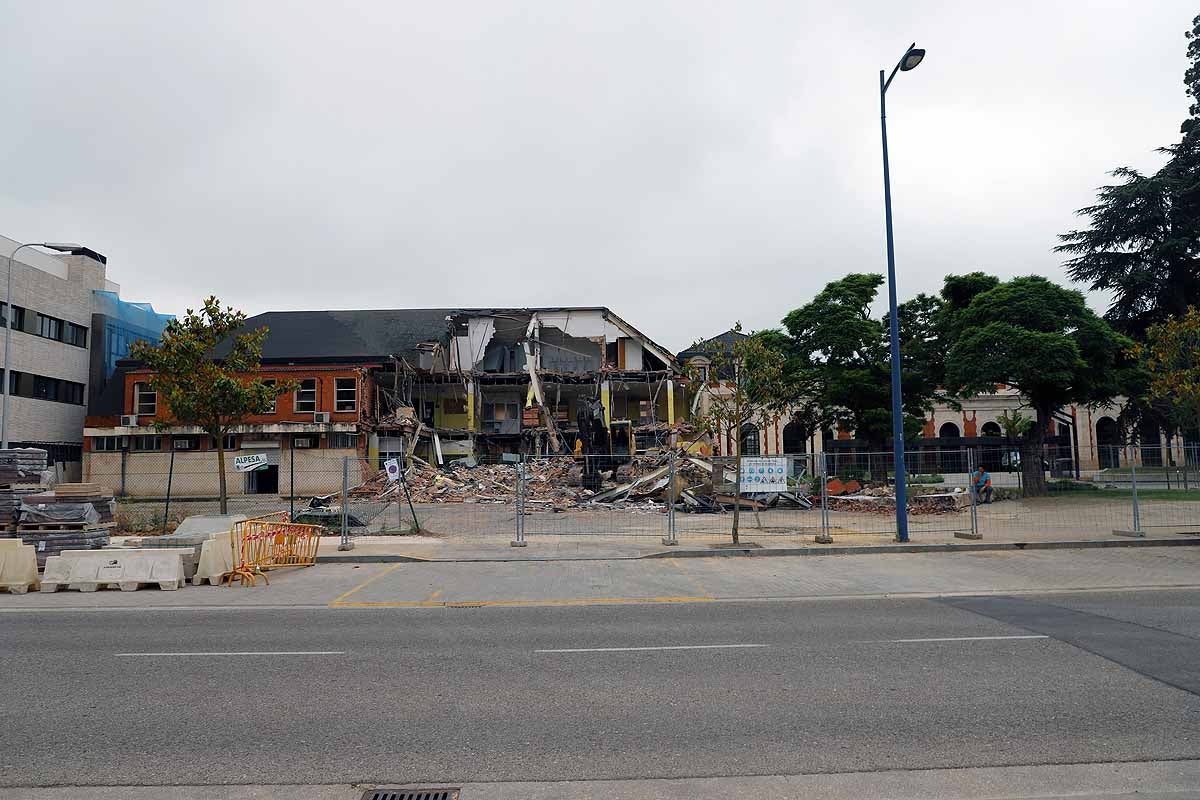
(640, 485)
(882, 500)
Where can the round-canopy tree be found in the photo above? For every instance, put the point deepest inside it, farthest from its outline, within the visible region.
(1043, 340)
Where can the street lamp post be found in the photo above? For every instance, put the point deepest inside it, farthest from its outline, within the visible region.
(912, 57)
(61, 247)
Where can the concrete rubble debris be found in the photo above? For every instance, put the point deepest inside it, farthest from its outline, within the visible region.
(639, 484)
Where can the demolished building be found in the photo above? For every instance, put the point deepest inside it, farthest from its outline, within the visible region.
(441, 384)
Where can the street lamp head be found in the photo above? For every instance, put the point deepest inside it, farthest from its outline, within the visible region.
(911, 59)
(62, 247)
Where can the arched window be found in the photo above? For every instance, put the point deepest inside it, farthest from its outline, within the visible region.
(750, 440)
(991, 429)
(948, 431)
(793, 438)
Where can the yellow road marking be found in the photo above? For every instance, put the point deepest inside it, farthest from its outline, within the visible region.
(576, 601)
(691, 578)
(367, 582)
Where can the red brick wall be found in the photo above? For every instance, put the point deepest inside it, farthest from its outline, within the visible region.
(285, 406)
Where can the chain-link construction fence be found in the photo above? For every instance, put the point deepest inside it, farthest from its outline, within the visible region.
(971, 491)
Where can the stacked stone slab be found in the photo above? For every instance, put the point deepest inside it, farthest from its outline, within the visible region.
(21, 474)
(74, 516)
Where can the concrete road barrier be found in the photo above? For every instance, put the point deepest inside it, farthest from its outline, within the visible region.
(216, 560)
(18, 566)
(126, 569)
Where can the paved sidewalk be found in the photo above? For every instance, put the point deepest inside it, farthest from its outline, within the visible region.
(385, 548)
(659, 581)
(1150, 780)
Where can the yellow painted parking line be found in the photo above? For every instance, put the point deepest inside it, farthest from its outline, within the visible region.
(574, 601)
(696, 583)
(366, 583)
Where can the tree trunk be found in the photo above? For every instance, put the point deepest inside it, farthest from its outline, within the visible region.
(1033, 475)
(221, 473)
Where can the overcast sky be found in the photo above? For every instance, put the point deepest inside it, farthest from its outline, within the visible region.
(687, 164)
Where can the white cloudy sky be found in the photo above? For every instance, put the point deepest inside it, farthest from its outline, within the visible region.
(685, 163)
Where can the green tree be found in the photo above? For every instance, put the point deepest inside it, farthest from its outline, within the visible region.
(205, 372)
(1143, 242)
(1171, 356)
(1044, 341)
(745, 385)
(838, 354)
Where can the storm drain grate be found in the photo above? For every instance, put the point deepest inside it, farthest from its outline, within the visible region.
(420, 793)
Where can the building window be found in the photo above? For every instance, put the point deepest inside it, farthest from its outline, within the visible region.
(343, 441)
(108, 444)
(146, 444)
(306, 395)
(228, 442)
(50, 327)
(345, 394)
(76, 335)
(750, 445)
(185, 443)
(18, 315)
(304, 442)
(71, 392)
(145, 400)
(273, 407)
(45, 388)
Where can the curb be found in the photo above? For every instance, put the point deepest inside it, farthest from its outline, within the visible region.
(758, 552)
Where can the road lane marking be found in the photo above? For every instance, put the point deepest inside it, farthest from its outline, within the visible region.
(238, 653)
(641, 649)
(368, 582)
(954, 639)
(571, 601)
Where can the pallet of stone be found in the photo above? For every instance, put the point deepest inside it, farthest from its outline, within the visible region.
(62, 527)
(47, 543)
(81, 490)
(103, 504)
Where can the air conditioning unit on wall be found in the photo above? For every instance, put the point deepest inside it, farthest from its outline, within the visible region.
(129, 420)
(321, 417)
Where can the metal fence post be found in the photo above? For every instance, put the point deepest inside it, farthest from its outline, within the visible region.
(345, 544)
(520, 540)
(671, 538)
(167, 507)
(1137, 514)
(824, 537)
(975, 534)
(291, 481)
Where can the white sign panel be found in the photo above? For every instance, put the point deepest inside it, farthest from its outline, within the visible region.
(250, 463)
(764, 474)
(392, 467)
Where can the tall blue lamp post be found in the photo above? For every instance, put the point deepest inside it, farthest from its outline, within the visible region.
(912, 57)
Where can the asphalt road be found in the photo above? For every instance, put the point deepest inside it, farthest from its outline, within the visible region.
(342, 695)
